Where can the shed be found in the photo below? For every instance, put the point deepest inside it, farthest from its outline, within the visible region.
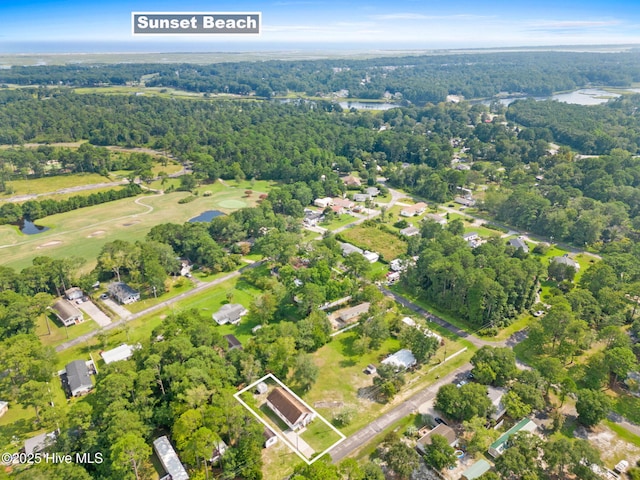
(476, 470)
(261, 388)
(270, 438)
(169, 459)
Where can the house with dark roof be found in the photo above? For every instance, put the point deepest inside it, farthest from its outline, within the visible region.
(232, 342)
(289, 409)
(67, 313)
(440, 429)
(78, 378)
(519, 243)
(230, 313)
(169, 459)
(123, 293)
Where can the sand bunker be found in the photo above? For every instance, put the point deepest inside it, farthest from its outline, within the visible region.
(97, 233)
(130, 223)
(52, 243)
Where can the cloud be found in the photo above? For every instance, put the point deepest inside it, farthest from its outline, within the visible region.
(296, 2)
(421, 16)
(571, 25)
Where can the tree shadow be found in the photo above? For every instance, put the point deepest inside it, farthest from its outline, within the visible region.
(347, 363)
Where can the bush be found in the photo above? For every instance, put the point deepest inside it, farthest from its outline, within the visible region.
(188, 199)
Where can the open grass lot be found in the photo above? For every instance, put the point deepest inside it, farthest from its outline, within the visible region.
(83, 232)
(54, 183)
(376, 240)
(628, 406)
(340, 221)
(342, 378)
(278, 462)
(174, 285)
(59, 333)
(319, 436)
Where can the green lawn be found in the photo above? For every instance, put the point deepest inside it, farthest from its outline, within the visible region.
(319, 436)
(59, 333)
(623, 433)
(83, 232)
(338, 222)
(53, 183)
(376, 240)
(175, 285)
(628, 406)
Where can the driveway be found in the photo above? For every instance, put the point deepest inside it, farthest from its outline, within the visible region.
(94, 312)
(117, 308)
(302, 446)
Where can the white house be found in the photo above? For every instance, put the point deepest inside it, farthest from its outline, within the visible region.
(402, 359)
(323, 202)
(290, 410)
(371, 256)
(230, 313)
(122, 352)
(169, 459)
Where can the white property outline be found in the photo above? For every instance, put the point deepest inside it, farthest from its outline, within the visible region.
(279, 435)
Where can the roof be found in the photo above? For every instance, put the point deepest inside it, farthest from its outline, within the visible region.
(469, 235)
(169, 459)
(410, 231)
(519, 243)
(435, 217)
(564, 260)
(402, 358)
(373, 191)
(39, 442)
(476, 470)
(229, 312)
(441, 429)
(342, 202)
(73, 292)
(78, 375)
(525, 425)
(415, 208)
(290, 408)
(65, 310)
(3, 404)
(351, 180)
(232, 342)
(357, 310)
(121, 289)
(347, 249)
(123, 352)
(268, 433)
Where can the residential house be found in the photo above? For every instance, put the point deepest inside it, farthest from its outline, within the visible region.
(410, 231)
(372, 191)
(348, 249)
(291, 410)
(169, 460)
(343, 202)
(349, 313)
(337, 209)
(401, 360)
(4, 406)
(476, 470)
(312, 218)
(398, 265)
(440, 429)
(123, 293)
(429, 333)
(361, 197)
(219, 449)
(393, 277)
(417, 209)
(232, 342)
(436, 218)
(351, 181)
(73, 293)
(67, 313)
(123, 352)
(230, 313)
(519, 243)
(78, 378)
(270, 438)
(323, 202)
(565, 260)
(409, 322)
(472, 239)
(371, 256)
(39, 442)
(498, 447)
(467, 202)
(495, 395)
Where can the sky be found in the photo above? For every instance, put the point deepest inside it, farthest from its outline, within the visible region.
(43, 26)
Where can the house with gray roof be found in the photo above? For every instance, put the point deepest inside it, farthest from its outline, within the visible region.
(519, 243)
(410, 231)
(39, 442)
(565, 260)
(78, 378)
(401, 360)
(67, 313)
(169, 459)
(230, 313)
(348, 249)
(123, 293)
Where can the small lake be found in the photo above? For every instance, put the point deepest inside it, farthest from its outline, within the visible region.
(206, 216)
(29, 228)
(368, 105)
(583, 96)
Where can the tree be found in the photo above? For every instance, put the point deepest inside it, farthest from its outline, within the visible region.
(463, 403)
(520, 460)
(128, 455)
(34, 394)
(439, 454)
(400, 458)
(592, 407)
(305, 371)
(620, 361)
(478, 437)
(357, 265)
(495, 366)
(421, 345)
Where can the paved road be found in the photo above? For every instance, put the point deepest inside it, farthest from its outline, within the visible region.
(364, 435)
(203, 286)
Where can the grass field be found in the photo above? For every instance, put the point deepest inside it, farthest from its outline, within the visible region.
(83, 232)
(51, 184)
(376, 240)
(340, 221)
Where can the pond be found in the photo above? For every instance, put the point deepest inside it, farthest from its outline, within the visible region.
(206, 216)
(29, 228)
(368, 105)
